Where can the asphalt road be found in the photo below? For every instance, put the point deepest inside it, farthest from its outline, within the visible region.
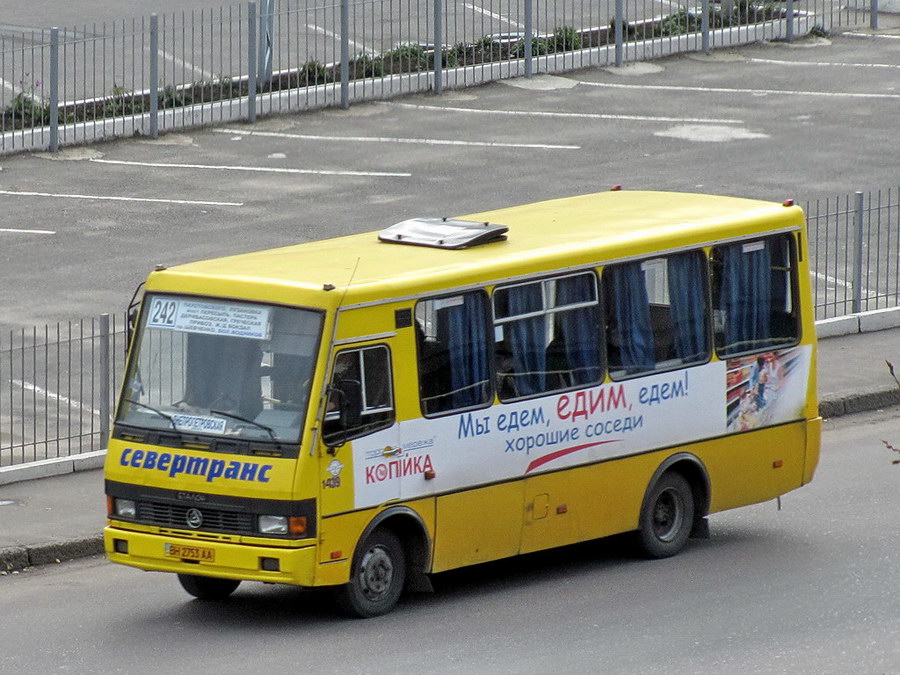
(80, 229)
(813, 588)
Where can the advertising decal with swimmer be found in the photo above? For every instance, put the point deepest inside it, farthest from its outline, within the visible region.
(766, 389)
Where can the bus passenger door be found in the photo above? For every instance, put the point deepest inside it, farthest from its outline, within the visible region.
(360, 431)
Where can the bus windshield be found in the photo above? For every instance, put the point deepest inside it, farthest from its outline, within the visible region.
(221, 368)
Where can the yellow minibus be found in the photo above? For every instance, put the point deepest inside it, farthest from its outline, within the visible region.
(365, 411)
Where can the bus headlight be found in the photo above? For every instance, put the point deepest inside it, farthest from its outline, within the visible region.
(125, 508)
(273, 524)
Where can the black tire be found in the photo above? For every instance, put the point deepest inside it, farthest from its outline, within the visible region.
(667, 517)
(208, 588)
(376, 578)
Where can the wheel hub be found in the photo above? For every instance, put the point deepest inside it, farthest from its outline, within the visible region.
(376, 573)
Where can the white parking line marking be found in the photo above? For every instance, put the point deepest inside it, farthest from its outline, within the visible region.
(873, 35)
(412, 141)
(729, 90)
(109, 198)
(866, 293)
(72, 403)
(492, 15)
(596, 116)
(335, 36)
(820, 64)
(260, 169)
(205, 74)
(18, 231)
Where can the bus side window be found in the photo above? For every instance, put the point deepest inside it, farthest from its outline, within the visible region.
(452, 352)
(753, 295)
(657, 313)
(547, 336)
(360, 377)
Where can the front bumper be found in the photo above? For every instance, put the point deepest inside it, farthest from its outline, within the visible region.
(147, 551)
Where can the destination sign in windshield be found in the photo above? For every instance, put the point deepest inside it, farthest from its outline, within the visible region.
(210, 318)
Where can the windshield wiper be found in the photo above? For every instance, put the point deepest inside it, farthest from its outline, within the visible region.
(153, 410)
(248, 421)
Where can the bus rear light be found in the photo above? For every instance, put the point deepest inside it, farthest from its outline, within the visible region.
(615, 188)
(430, 474)
(297, 524)
(787, 202)
(778, 463)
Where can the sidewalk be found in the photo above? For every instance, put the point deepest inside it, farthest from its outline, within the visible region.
(53, 519)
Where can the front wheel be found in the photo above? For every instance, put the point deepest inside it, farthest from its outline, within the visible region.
(207, 588)
(667, 517)
(376, 578)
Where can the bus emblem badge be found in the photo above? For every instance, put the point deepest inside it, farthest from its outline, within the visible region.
(194, 518)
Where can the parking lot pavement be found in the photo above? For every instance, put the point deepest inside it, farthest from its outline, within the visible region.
(805, 120)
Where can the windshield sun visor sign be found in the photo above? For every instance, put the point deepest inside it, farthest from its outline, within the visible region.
(210, 318)
(199, 424)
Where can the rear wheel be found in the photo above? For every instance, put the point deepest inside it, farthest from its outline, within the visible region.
(667, 517)
(377, 577)
(208, 588)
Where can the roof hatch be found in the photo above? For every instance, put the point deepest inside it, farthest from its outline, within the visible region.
(443, 233)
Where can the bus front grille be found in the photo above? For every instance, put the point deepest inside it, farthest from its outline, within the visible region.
(214, 520)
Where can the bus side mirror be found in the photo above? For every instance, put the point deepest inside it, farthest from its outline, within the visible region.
(131, 315)
(344, 411)
(351, 404)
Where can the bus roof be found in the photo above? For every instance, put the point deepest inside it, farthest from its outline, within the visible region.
(574, 231)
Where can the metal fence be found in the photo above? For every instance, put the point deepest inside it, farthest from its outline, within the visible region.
(855, 242)
(58, 383)
(181, 69)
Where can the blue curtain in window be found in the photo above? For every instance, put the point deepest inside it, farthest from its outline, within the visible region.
(578, 328)
(746, 296)
(468, 348)
(631, 317)
(527, 341)
(687, 299)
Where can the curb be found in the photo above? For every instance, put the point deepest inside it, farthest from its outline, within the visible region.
(863, 401)
(21, 557)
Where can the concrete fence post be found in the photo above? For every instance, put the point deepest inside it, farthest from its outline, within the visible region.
(789, 10)
(438, 47)
(529, 37)
(251, 61)
(619, 21)
(345, 54)
(873, 15)
(54, 89)
(704, 25)
(105, 370)
(858, 254)
(154, 76)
